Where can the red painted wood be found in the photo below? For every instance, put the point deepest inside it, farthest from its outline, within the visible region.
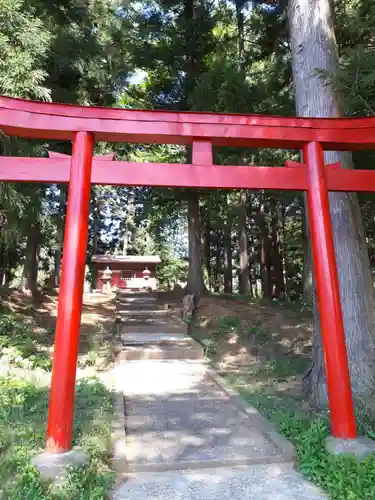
(331, 322)
(106, 157)
(202, 153)
(56, 170)
(203, 130)
(59, 121)
(296, 164)
(61, 407)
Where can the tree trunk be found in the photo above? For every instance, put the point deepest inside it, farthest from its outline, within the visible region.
(30, 270)
(265, 270)
(195, 282)
(244, 277)
(277, 259)
(240, 32)
(207, 251)
(59, 239)
(228, 270)
(307, 278)
(313, 47)
(217, 281)
(95, 236)
(285, 256)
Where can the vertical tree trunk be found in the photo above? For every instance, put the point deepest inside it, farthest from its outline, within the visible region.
(59, 239)
(285, 256)
(217, 280)
(251, 249)
(277, 259)
(307, 278)
(207, 250)
(228, 270)
(195, 282)
(30, 270)
(2, 264)
(265, 270)
(244, 277)
(240, 31)
(313, 47)
(95, 237)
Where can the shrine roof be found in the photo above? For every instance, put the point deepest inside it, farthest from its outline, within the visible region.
(141, 259)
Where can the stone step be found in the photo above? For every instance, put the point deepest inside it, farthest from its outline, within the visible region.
(148, 321)
(136, 295)
(160, 352)
(139, 306)
(168, 328)
(136, 303)
(144, 313)
(156, 339)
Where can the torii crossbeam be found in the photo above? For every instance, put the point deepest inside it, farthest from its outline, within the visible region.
(84, 126)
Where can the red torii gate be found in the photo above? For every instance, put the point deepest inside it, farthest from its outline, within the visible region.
(84, 126)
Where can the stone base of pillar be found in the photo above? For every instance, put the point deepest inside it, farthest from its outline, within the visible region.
(360, 447)
(55, 466)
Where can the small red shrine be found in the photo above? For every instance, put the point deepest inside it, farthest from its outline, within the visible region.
(126, 271)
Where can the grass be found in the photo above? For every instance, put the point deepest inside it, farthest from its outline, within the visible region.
(23, 416)
(23, 343)
(263, 385)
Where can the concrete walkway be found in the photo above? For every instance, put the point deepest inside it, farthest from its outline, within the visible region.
(183, 434)
(259, 482)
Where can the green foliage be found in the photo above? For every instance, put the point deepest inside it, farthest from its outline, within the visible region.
(24, 46)
(260, 333)
(228, 324)
(21, 346)
(23, 413)
(342, 477)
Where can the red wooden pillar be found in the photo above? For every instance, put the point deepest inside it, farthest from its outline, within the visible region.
(328, 295)
(61, 407)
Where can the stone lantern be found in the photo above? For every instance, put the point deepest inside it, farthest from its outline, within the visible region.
(107, 281)
(146, 276)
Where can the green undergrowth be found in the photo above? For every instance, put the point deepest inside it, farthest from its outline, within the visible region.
(266, 385)
(22, 343)
(23, 414)
(341, 477)
(287, 305)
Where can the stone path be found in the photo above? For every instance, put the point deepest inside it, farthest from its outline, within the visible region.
(259, 482)
(182, 433)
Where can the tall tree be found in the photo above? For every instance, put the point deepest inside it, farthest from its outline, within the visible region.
(314, 49)
(244, 276)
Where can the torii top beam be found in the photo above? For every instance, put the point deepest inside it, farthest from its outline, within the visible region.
(38, 120)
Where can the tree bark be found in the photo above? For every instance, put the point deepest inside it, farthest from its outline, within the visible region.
(277, 259)
(251, 249)
(285, 256)
(218, 280)
(244, 277)
(95, 236)
(59, 239)
(265, 270)
(313, 48)
(307, 278)
(30, 270)
(195, 282)
(207, 251)
(240, 32)
(228, 270)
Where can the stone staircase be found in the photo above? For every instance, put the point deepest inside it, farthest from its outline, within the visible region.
(149, 330)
